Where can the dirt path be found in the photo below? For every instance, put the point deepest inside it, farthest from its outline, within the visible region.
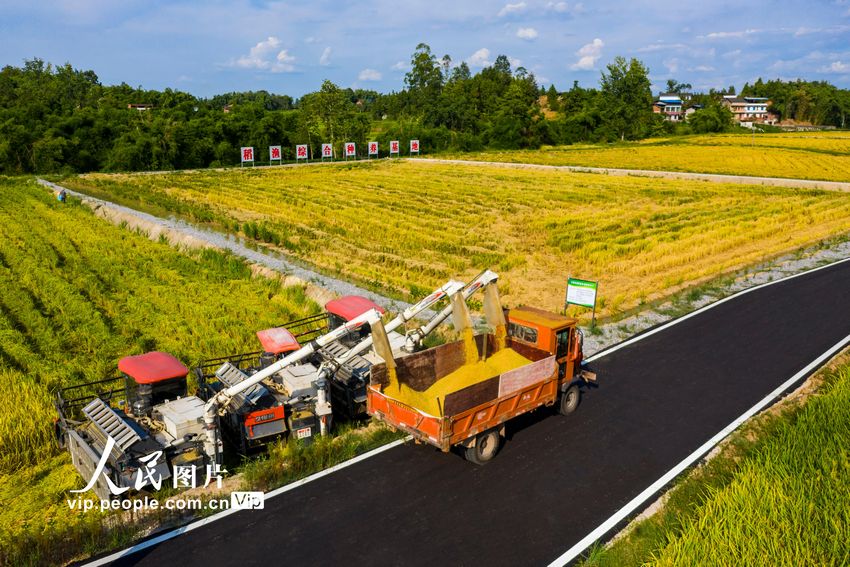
(712, 177)
(318, 287)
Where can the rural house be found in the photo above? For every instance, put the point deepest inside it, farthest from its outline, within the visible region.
(749, 109)
(670, 105)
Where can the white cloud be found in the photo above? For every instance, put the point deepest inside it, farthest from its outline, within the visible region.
(480, 58)
(588, 55)
(400, 66)
(565, 8)
(731, 34)
(325, 59)
(512, 9)
(704, 68)
(284, 62)
(836, 67)
(514, 62)
(369, 75)
(661, 46)
(262, 56)
(527, 33)
(672, 65)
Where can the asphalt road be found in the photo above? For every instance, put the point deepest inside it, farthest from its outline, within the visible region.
(557, 477)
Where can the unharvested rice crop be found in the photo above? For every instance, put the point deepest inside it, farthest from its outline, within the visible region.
(404, 227)
(77, 294)
(823, 157)
(787, 505)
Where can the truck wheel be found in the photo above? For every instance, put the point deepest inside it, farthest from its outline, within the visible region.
(485, 448)
(569, 400)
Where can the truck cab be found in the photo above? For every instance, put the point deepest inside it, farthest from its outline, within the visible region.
(548, 331)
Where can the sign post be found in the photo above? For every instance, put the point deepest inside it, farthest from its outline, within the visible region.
(274, 154)
(247, 156)
(582, 293)
(414, 147)
(350, 150)
(327, 151)
(394, 148)
(373, 149)
(302, 152)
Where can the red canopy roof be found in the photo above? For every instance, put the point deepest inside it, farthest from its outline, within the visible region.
(278, 340)
(351, 306)
(152, 367)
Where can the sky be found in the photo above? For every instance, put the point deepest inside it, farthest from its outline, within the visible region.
(207, 47)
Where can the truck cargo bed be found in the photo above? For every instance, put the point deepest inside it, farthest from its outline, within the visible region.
(469, 410)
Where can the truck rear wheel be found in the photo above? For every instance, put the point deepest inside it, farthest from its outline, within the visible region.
(485, 448)
(569, 400)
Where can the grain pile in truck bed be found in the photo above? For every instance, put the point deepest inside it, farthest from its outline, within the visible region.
(431, 401)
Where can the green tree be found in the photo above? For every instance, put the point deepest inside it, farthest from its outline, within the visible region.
(626, 98)
(552, 99)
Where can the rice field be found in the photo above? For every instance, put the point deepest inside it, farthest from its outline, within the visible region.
(823, 156)
(778, 498)
(403, 227)
(78, 294)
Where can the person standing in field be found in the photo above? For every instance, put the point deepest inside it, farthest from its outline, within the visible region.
(62, 196)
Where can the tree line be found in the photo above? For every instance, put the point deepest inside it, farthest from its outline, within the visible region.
(61, 119)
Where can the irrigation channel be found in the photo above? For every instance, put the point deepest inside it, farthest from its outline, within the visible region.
(196, 236)
(664, 399)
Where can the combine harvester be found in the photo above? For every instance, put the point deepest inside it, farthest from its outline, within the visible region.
(295, 400)
(285, 393)
(156, 415)
(462, 394)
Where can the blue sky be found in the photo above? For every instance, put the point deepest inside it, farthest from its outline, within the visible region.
(288, 47)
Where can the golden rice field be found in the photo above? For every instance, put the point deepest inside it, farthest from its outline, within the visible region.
(404, 227)
(77, 294)
(823, 156)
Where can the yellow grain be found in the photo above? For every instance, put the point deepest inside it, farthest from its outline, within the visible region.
(431, 401)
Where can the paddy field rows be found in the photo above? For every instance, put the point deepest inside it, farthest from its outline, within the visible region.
(78, 294)
(404, 227)
(821, 156)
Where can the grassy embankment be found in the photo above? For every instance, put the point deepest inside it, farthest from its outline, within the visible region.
(818, 155)
(404, 227)
(79, 293)
(776, 493)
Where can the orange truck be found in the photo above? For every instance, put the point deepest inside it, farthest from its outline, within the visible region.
(473, 418)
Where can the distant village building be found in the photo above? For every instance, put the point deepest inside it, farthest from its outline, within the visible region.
(749, 109)
(140, 107)
(227, 108)
(670, 105)
(691, 109)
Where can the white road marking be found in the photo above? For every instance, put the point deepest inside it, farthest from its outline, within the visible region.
(210, 519)
(656, 486)
(588, 540)
(678, 320)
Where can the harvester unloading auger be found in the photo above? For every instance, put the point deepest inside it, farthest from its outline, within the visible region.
(284, 393)
(295, 398)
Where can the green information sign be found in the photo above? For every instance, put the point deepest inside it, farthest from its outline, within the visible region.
(581, 292)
